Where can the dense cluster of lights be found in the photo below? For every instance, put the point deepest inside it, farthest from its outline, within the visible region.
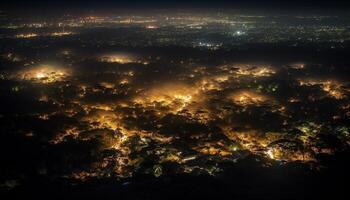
(174, 96)
(53, 34)
(26, 35)
(44, 74)
(245, 98)
(255, 71)
(333, 88)
(175, 100)
(59, 34)
(190, 101)
(121, 59)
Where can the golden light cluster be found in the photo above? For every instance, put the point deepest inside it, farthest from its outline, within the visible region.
(217, 148)
(333, 88)
(53, 34)
(255, 71)
(59, 34)
(101, 119)
(273, 145)
(215, 82)
(175, 96)
(44, 74)
(207, 84)
(26, 35)
(117, 124)
(279, 153)
(249, 97)
(151, 27)
(118, 58)
(104, 121)
(297, 66)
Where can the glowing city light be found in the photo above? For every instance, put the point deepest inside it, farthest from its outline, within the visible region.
(246, 98)
(45, 74)
(26, 35)
(60, 34)
(121, 59)
(255, 71)
(332, 87)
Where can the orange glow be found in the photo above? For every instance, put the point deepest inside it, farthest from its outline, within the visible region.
(247, 97)
(45, 74)
(26, 35)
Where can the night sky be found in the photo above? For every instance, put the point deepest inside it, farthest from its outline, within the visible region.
(323, 4)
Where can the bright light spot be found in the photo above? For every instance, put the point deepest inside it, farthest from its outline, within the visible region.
(44, 74)
(332, 87)
(247, 97)
(297, 66)
(151, 27)
(40, 75)
(121, 59)
(26, 35)
(239, 33)
(255, 71)
(270, 154)
(59, 34)
(174, 96)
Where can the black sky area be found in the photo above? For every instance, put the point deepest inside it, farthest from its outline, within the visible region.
(264, 4)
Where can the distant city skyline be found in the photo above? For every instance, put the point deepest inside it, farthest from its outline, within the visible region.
(341, 4)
